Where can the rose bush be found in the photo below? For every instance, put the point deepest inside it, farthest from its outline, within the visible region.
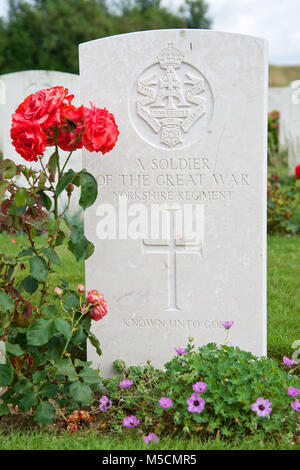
(41, 323)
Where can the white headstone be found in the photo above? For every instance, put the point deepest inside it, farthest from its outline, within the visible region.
(17, 86)
(293, 126)
(279, 101)
(192, 115)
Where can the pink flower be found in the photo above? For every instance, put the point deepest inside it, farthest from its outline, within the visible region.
(105, 403)
(227, 324)
(93, 296)
(165, 402)
(80, 288)
(13, 240)
(180, 351)
(126, 383)
(58, 291)
(262, 407)
(293, 392)
(151, 437)
(296, 405)
(288, 362)
(199, 387)
(131, 421)
(195, 403)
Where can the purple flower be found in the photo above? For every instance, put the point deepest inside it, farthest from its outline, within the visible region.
(288, 362)
(105, 403)
(227, 324)
(130, 421)
(195, 403)
(293, 392)
(165, 402)
(180, 351)
(262, 407)
(199, 387)
(296, 405)
(126, 383)
(151, 437)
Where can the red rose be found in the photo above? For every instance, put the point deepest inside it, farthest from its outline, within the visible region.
(28, 139)
(297, 171)
(70, 128)
(44, 106)
(99, 311)
(100, 130)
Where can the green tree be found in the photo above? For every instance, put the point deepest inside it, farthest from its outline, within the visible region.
(45, 33)
(195, 14)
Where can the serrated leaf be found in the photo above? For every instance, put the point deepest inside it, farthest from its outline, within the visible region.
(40, 332)
(63, 326)
(89, 190)
(38, 268)
(30, 284)
(81, 393)
(28, 401)
(48, 390)
(64, 181)
(51, 255)
(6, 302)
(6, 374)
(89, 376)
(65, 367)
(38, 376)
(4, 410)
(44, 413)
(14, 349)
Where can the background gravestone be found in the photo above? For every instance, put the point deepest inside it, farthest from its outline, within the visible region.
(278, 100)
(17, 87)
(293, 126)
(192, 115)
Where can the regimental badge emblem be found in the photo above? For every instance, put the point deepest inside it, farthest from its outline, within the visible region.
(173, 101)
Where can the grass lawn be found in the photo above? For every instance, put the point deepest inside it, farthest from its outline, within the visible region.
(283, 330)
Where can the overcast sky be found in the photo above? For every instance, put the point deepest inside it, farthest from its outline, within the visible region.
(276, 20)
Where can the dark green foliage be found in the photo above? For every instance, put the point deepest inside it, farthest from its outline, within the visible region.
(44, 34)
(235, 380)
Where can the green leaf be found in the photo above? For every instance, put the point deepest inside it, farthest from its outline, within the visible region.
(4, 410)
(63, 326)
(38, 268)
(81, 393)
(80, 336)
(51, 255)
(52, 163)
(40, 332)
(44, 413)
(89, 190)
(14, 349)
(64, 181)
(79, 244)
(20, 197)
(89, 376)
(6, 374)
(45, 200)
(30, 284)
(95, 342)
(48, 390)
(65, 367)
(52, 226)
(8, 168)
(28, 401)
(3, 186)
(38, 376)
(22, 387)
(6, 302)
(72, 300)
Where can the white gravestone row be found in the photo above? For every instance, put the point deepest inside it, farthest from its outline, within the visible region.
(293, 126)
(179, 225)
(279, 100)
(17, 86)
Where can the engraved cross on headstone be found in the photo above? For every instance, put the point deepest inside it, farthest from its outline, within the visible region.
(171, 247)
